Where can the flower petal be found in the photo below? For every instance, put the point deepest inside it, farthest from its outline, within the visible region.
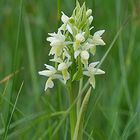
(66, 75)
(62, 66)
(93, 50)
(84, 55)
(57, 59)
(76, 53)
(49, 67)
(91, 28)
(57, 76)
(90, 19)
(66, 54)
(93, 64)
(86, 73)
(52, 51)
(98, 41)
(99, 33)
(64, 18)
(46, 73)
(98, 71)
(69, 29)
(50, 39)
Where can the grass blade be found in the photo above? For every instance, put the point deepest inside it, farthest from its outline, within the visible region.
(9, 121)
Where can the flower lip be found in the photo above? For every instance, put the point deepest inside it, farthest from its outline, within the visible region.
(49, 84)
(84, 55)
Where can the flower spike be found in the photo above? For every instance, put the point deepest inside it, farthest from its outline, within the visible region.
(72, 46)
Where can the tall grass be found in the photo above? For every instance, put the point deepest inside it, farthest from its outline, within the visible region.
(29, 113)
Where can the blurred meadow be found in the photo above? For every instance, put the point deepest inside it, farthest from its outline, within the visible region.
(27, 113)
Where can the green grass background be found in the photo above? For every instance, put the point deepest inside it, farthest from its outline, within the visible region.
(27, 113)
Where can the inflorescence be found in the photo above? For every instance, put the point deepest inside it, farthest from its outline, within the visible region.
(71, 48)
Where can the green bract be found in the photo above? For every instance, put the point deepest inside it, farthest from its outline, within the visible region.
(71, 48)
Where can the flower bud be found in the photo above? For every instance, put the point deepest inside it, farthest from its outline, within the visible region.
(71, 20)
(89, 12)
(90, 19)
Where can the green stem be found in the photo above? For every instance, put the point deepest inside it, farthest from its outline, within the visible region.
(73, 117)
(78, 133)
(80, 98)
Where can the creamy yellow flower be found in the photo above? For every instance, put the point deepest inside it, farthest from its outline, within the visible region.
(97, 39)
(57, 41)
(79, 38)
(91, 71)
(51, 74)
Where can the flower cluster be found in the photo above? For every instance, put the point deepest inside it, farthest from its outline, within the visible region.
(71, 48)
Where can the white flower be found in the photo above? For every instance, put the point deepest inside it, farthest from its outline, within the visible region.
(91, 71)
(94, 41)
(57, 41)
(97, 39)
(51, 74)
(63, 67)
(84, 56)
(83, 51)
(79, 38)
(90, 46)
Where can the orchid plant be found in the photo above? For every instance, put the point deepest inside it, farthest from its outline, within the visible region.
(71, 47)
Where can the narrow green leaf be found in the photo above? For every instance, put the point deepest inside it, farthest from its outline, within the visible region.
(78, 129)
